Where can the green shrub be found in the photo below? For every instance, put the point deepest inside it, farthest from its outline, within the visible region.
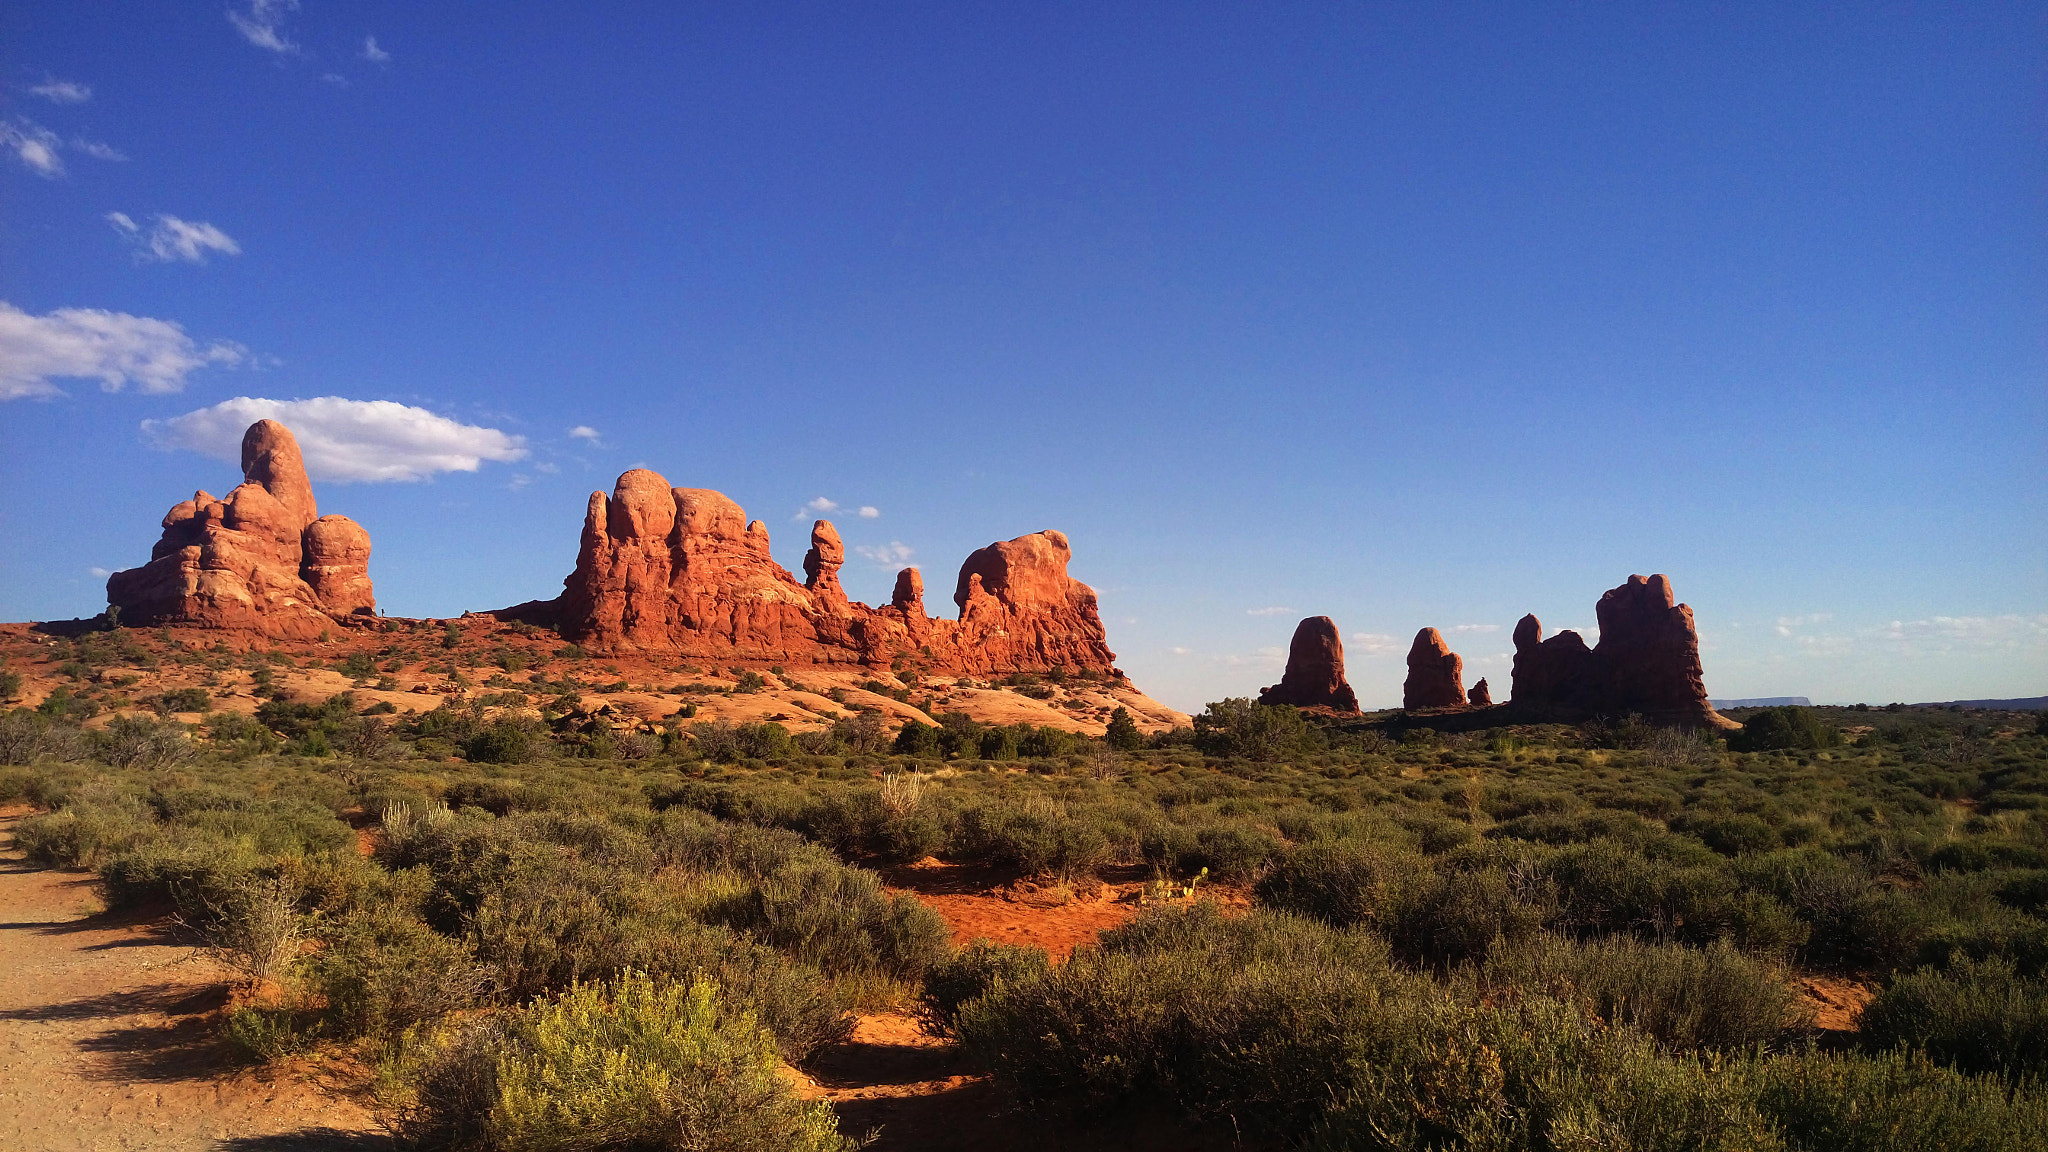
(100, 822)
(971, 972)
(1688, 998)
(1448, 918)
(840, 920)
(1979, 1017)
(1035, 836)
(1343, 882)
(634, 1064)
(1790, 727)
(1895, 1102)
(383, 972)
(508, 741)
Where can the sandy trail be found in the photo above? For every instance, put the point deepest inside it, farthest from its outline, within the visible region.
(107, 1038)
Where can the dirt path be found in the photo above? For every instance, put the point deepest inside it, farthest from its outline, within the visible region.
(107, 1038)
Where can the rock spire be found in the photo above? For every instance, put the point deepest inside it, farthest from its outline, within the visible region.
(1315, 670)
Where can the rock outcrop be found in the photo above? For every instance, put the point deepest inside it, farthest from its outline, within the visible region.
(260, 560)
(1315, 670)
(679, 571)
(1646, 663)
(1479, 695)
(1435, 674)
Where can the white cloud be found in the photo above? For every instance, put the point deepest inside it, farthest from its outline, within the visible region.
(1375, 644)
(111, 347)
(547, 466)
(170, 239)
(1787, 623)
(1273, 610)
(888, 555)
(1475, 627)
(869, 512)
(63, 91)
(33, 145)
(374, 54)
(586, 432)
(2008, 631)
(261, 24)
(334, 78)
(99, 151)
(100, 572)
(823, 505)
(345, 440)
(1177, 650)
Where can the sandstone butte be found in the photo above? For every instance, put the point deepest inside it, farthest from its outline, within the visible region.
(668, 571)
(1647, 663)
(1315, 670)
(260, 560)
(1435, 674)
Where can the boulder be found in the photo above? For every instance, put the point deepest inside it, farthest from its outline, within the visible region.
(261, 560)
(1315, 670)
(1435, 674)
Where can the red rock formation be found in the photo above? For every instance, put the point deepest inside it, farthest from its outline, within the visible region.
(1315, 670)
(680, 571)
(1647, 662)
(1479, 695)
(1435, 674)
(262, 560)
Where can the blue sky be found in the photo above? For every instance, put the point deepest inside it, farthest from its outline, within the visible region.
(1405, 315)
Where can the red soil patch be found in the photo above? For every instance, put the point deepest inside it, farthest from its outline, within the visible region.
(985, 903)
(1833, 1001)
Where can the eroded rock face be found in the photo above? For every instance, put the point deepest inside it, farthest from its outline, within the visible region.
(1647, 662)
(1479, 695)
(1315, 670)
(260, 560)
(681, 571)
(1435, 673)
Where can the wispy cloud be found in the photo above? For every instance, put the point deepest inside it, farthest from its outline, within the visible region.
(63, 91)
(374, 54)
(1375, 644)
(1787, 623)
(33, 145)
(42, 151)
(1475, 627)
(115, 348)
(1271, 610)
(2012, 630)
(170, 239)
(344, 440)
(586, 433)
(889, 555)
(1177, 650)
(261, 22)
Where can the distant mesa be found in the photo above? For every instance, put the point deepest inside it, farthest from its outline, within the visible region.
(1435, 674)
(260, 560)
(1647, 663)
(681, 571)
(1315, 670)
(1763, 702)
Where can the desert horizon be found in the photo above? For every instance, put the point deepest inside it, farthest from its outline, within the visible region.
(658, 577)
